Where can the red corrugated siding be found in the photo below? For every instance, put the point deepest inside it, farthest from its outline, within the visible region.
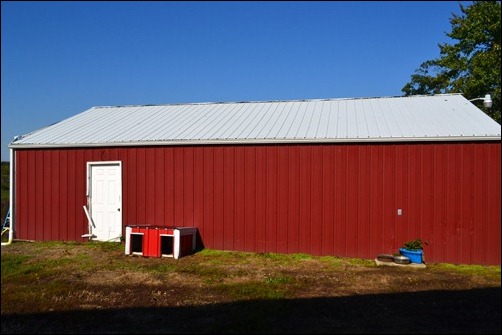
(318, 199)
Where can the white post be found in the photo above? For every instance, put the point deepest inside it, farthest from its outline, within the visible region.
(128, 240)
(177, 243)
(11, 199)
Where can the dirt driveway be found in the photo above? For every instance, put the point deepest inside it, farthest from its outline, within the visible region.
(81, 288)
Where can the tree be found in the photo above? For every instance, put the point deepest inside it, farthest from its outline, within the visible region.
(471, 66)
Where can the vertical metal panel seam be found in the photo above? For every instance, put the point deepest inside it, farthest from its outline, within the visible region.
(234, 196)
(356, 198)
(154, 186)
(137, 184)
(40, 167)
(460, 223)
(333, 181)
(42, 192)
(182, 183)
(485, 167)
(192, 191)
(137, 160)
(406, 188)
(369, 183)
(472, 177)
(431, 202)
(497, 218)
(383, 198)
(357, 204)
(164, 190)
(244, 221)
(202, 225)
(323, 221)
(34, 168)
(173, 183)
(479, 238)
(415, 173)
(47, 203)
(159, 188)
(255, 195)
(494, 196)
(396, 185)
(145, 185)
(434, 187)
(423, 198)
(176, 197)
(140, 173)
(346, 199)
(265, 188)
(449, 188)
(447, 178)
(288, 205)
(276, 206)
(278, 184)
(370, 199)
(57, 193)
(239, 218)
(65, 219)
(213, 193)
(488, 196)
(311, 194)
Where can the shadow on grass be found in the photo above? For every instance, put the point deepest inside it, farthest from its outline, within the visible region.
(469, 312)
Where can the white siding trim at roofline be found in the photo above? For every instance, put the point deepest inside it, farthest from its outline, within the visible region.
(263, 141)
(446, 117)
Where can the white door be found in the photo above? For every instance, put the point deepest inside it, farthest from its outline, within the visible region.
(105, 200)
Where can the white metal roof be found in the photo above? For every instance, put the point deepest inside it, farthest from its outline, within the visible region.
(446, 117)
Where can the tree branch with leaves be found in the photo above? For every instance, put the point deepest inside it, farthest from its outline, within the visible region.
(470, 66)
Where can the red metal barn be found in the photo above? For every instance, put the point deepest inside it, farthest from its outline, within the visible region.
(343, 177)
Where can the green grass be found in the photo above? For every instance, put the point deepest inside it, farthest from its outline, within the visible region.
(487, 271)
(5, 181)
(277, 280)
(112, 246)
(14, 265)
(253, 290)
(274, 287)
(203, 271)
(25, 269)
(59, 266)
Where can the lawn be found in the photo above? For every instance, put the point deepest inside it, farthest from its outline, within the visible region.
(57, 287)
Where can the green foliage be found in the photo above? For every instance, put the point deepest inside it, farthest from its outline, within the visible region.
(5, 192)
(5, 180)
(413, 245)
(472, 65)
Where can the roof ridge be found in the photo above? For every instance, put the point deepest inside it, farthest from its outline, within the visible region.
(275, 101)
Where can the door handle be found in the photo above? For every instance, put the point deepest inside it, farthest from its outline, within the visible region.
(118, 209)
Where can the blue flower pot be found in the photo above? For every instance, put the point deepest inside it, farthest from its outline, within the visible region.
(415, 256)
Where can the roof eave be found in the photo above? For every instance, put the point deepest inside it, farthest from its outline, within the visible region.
(256, 141)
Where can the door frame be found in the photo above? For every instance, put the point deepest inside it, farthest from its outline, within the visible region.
(88, 191)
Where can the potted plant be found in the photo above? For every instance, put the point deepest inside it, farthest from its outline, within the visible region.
(413, 250)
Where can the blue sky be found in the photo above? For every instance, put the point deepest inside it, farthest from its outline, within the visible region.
(62, 58)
